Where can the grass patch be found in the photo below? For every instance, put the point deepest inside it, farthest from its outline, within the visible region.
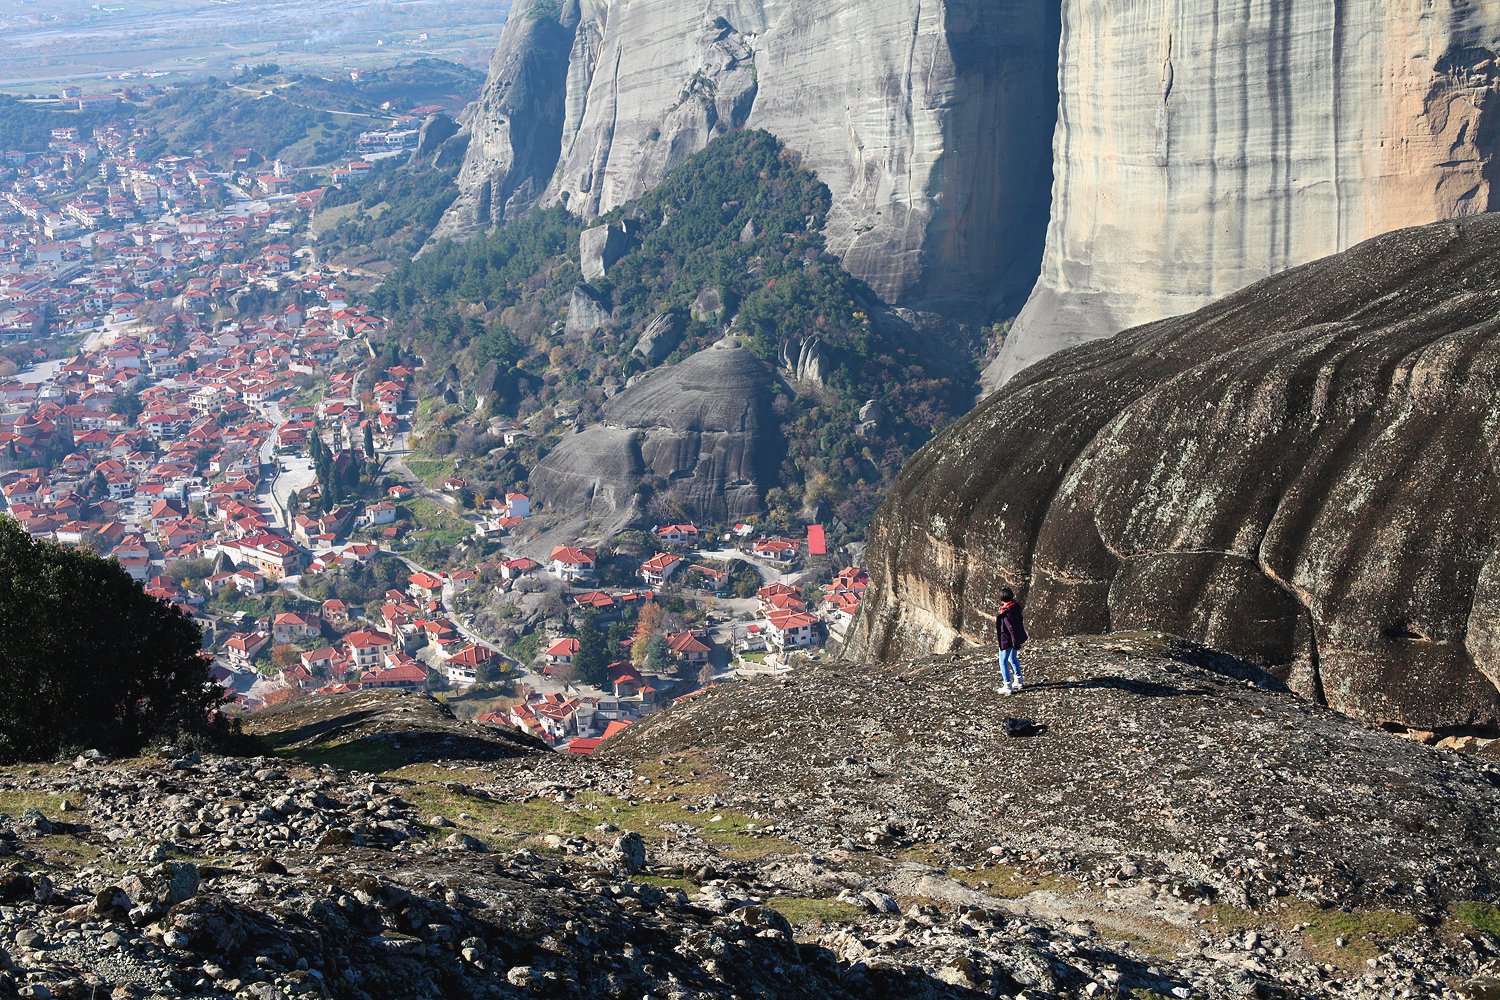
(922, 854)
(685, 775)
(69, 851)
(1364, 932)
(1472, 917)
(369, 753)
(526, 649)
(434, 520)
(17, 801)
(800, 911)
(1010, 882)
(1231, 917)
(1158, 939)
(472, 814)
(327, 218)
(731, 835)
(430, 470)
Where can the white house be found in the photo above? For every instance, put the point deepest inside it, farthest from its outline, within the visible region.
(659, 568)
(791, 630)
(571, 563)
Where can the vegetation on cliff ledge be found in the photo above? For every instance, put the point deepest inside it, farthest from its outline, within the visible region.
(729, 243)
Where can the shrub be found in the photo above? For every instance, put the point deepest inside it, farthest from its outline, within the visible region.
(88, 659)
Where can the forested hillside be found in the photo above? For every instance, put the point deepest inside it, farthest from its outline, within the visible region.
(731, 243)
(28, 127)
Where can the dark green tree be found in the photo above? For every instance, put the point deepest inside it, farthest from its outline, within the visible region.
(658, 656)
(87, 659)
(369, 439)
(591, 664)
(128, 405)
(319, 455)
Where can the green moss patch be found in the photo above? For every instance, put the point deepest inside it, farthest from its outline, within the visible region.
(802, 911)
(1475, 917)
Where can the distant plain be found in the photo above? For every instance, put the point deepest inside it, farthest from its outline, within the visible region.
(48, 44)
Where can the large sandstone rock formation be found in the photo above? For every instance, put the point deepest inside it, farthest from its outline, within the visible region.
(703, 428)
(514, 128)
(1201, 147)
(1303, 474)
(929, 122)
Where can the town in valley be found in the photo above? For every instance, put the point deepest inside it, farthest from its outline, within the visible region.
(191, 388)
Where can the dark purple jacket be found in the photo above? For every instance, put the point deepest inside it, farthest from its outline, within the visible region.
(1009, 630)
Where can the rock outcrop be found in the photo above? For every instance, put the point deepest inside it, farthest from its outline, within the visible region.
(601, 247)
(929, 122)
(702, 429)
(1195, 149)
(330, 884)
(1303, 474)
(515, 128)
(1200, 148)
(588, 312)
(1147, 749)
(661, 336)
(436, 129)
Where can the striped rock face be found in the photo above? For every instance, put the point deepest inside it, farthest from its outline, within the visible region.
(1201, 147)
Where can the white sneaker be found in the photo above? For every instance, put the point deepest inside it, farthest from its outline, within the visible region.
(1003, 689)
(1016, 686)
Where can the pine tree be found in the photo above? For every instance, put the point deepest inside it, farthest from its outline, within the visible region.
(369, 439)
(592, 660)
(658, 656)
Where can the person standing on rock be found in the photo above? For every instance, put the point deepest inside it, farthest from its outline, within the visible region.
(1011, 634)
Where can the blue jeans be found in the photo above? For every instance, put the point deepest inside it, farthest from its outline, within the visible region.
(1010, 667)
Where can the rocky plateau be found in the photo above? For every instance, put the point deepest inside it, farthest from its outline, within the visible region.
(1175, 826)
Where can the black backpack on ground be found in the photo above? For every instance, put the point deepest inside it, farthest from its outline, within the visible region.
(1021, 727)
